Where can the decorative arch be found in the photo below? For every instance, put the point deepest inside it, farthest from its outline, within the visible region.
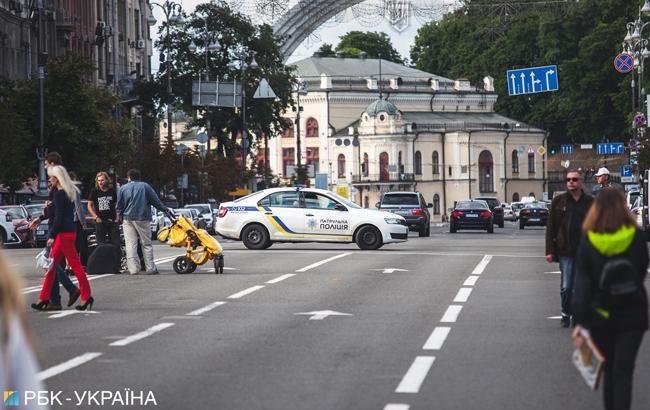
(515, 197)
(486, 172)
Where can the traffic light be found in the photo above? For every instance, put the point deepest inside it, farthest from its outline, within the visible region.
(553, 151)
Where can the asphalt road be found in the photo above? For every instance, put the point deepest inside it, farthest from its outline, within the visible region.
(454, 321)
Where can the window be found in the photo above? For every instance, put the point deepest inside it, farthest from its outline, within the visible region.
(365, 165)
(531, 163)
(318, 201)
(341, 166)
(435, 162)
(288, 160)
(515, 197)
(384, 176)
(312, 158)
(311, 128)
(400, 166)
(515, 162)
(486, 172)
(418, 163)
(436, 204)
(287, 128)
(286, 199)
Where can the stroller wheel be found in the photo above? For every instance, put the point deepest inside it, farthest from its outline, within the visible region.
(218, 264)
(183, 265)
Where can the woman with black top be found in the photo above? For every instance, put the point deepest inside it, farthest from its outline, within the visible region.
(609, 296)
(62, 239)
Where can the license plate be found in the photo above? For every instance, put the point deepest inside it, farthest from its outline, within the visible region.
(40, 232)
(472, 216)
(534, 220)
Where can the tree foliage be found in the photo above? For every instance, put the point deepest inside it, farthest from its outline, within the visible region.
(371, 42)
(14, 137)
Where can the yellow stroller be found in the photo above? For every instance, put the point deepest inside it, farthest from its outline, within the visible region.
(200, 246)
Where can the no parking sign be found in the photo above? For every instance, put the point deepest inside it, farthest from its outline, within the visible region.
(624, 63)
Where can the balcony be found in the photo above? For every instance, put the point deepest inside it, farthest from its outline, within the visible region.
(64, 22)
(388, 177)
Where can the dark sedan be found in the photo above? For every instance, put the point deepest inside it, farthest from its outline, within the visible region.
(471, 214)
(533, 214)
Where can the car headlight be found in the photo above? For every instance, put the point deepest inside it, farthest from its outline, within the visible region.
(394, 221)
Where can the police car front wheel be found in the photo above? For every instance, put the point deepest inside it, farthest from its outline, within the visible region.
(256, 237)
(368, 238)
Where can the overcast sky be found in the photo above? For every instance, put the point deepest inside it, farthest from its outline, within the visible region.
(402, 41)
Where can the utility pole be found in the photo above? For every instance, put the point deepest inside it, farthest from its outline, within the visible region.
(41, 151)
(298, 151)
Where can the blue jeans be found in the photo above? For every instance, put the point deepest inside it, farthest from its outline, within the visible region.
(566, 285)
(62, 277)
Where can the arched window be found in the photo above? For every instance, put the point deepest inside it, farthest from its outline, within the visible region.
(366, 164)
(515, 162)
(436, 204)
(418, 163)
(287, 128)
(436, 163)
(384, 176)
(341, 162)
(400, 165)
(515, 197)
(311, 129)
(486, 172)
(531, 163)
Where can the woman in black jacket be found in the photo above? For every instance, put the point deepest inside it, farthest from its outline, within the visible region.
(609, 297)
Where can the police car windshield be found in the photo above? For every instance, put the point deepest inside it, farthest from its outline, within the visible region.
(344, 201)
(243, 198)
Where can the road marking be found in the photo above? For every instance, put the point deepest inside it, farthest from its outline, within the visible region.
(199, 312)
(416, 374)
(554, 317)
(33, 289)
(65, 366)
(397, 406)
(392, 253)
(245, 292)
(451, 315)
(281, 278)
(322, 314)
(481, 266)
(554, 272)
(471, 281)
(462, 295)
(138, 336)
(70, 313)
(324, 261)
(390, 270)
(212, 269)
(437, 338)
(166, 259)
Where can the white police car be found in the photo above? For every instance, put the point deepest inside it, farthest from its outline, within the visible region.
(306, 215)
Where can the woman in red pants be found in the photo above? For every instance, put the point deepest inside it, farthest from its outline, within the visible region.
(62, 239)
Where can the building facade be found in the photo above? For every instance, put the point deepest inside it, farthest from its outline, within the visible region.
(363, 135)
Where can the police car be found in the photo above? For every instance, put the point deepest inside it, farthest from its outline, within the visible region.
(306, 215)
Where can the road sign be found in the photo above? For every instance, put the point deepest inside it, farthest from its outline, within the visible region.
(586, 146)
(202, 138)
(264, 90)
(532, 80)
(611, 148)
(541, 150)
(567, 148)
(626, 171)
(624, 63)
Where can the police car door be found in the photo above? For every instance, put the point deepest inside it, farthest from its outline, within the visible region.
(284, 215)
(325, 218)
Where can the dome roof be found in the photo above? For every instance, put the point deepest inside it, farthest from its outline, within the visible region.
(381, 105)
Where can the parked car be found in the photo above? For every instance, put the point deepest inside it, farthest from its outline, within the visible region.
(516, 207)
(205, 210)
(495, 208)
(191, 214)
(42, 230)
(533, 214)
(14, 226)
(509, 214)
(471, 214)
(411, 206)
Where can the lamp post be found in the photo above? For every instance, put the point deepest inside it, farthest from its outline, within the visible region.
(637, 46)
(41, 151)
(299, 89)
(172, 13)
(181, 150)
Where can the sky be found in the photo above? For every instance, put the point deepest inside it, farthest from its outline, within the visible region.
(402, 41)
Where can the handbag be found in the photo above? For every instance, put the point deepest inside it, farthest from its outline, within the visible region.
(43, 259)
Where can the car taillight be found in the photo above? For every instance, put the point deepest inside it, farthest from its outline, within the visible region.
(485, 213)
(525, 211)
(457, 214)
(222, 212)
(417, 212)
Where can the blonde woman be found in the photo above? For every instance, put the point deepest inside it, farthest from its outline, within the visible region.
(62, 238)
(18, 367)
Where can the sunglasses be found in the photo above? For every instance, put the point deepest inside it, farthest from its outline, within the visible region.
(572, 179)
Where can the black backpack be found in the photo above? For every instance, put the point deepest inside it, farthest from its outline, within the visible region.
(619, 284)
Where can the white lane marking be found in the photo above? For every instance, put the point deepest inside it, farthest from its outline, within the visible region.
(75, 281)
(199, 312)
(437, 338)
(245, 292)
(70, 313)
(554, 317)
(281, 278)
(166, 259)
(481, 266)
(322, 314)
(555, 272)
(416, 374)
(390, 270)
(397, 406)
(138, 336)
(324, 261)
(67, 365)
(451, 315)
(352, 251)
(471, 280)
(462, 295)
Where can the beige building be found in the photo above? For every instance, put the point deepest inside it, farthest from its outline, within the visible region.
(411, 131)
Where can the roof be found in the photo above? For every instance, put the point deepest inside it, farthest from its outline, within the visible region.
(464, 120)
(381, 105)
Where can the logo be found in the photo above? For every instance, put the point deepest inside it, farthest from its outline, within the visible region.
(311, 223)
(11, 398)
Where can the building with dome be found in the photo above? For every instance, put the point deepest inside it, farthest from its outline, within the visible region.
(362, 135)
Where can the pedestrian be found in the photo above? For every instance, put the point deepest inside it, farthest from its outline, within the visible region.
(609, 296)
(563, 233)
(18, 366)
(51, 159)
(102, 207)
(603, 180)
(62, 239)
(134, 202)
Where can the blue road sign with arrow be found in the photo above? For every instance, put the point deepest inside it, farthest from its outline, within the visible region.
(532, 80)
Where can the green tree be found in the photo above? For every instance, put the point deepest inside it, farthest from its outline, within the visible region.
(326, 50)
(15, 157)
(372, 42)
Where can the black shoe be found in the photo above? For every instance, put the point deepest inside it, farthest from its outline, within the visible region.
(565, 321)
(42, 305)
(74, 295)
(86, 306)
(52, 306)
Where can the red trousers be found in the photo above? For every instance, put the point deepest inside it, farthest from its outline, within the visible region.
(64, 246)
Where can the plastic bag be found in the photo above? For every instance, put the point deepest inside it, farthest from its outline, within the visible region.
(43, 259)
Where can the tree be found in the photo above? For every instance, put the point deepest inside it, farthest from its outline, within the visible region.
(15, 159)
(326, 50)
(373, 43)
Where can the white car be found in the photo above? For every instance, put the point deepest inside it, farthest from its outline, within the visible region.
(509, 214)
(205, 210)
(306, 215)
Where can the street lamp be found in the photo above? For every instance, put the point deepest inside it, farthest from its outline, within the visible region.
(172, 13)
(299, 89)
(181, 150)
